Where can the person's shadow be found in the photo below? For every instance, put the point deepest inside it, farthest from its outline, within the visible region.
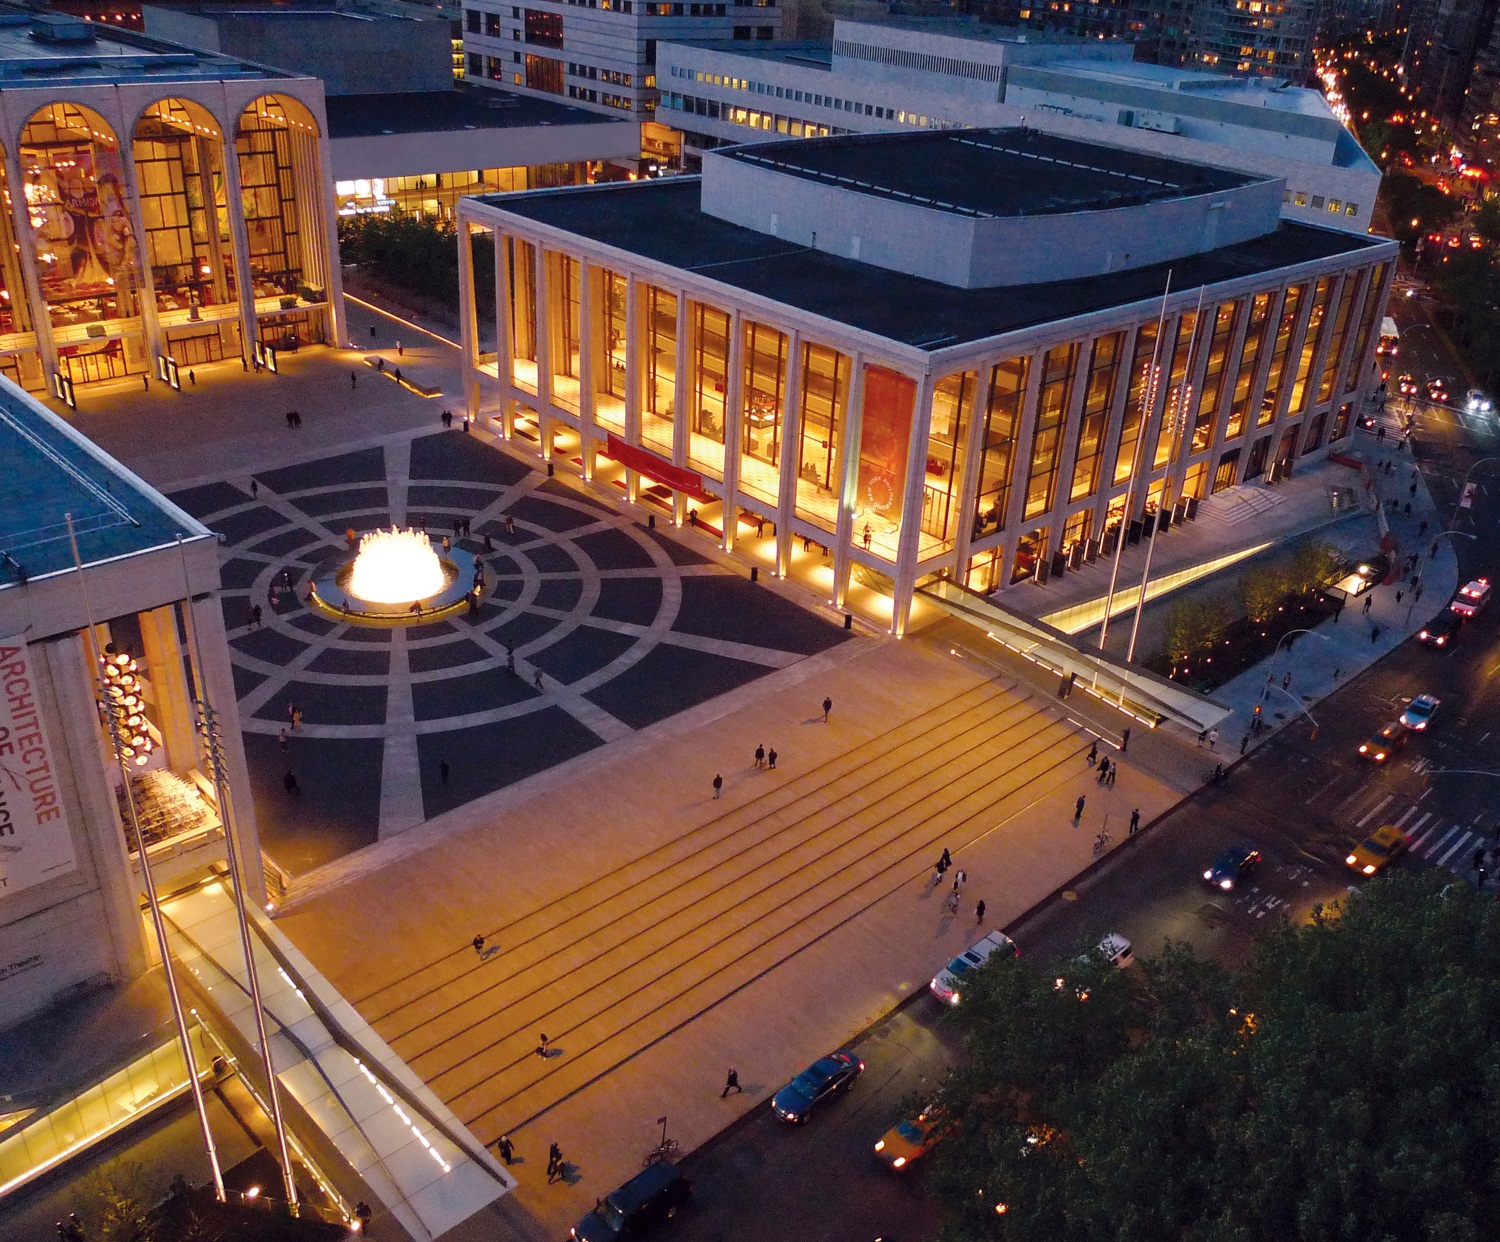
(569, 1173)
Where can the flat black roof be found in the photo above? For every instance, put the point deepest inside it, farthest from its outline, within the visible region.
(989, 172)
(426, 112)
(661, 221)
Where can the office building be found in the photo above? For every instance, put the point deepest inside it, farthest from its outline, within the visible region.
(930, 353)
(935, 74)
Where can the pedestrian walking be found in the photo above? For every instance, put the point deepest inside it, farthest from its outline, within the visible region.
(254, 490)
(1135, 821)
(506, 1148)
(827, 707)
(541, 1046)
(536, 679)
(771, 759)
(372, 331)
(489, 545)
(718, 784)
(760, 528)
(289, 782)
(281, 737)
(760, 756)
(1369, 599)
(731, 1083)
(1125, 741)
(362, 1214)
(1078, 809)
(1244, 743)
(510, 526)
(443, 770)
(1103, 772)
(447, 545)
(979, 913)
(1417, 594)
(1399, 594)
(192, 379)
(951, 904)
(945, 861)
(1093, 755)
(289, 417)
(353, 379)
(478, 943)
(256, 613)
(510, 658)
(296, 719)
(446, 417)
(960, 878)
(146, 382)
(554, 1163)
(396, 371)
(1286, 680)
(400, 351)
(1213, 734)
(867, 536)
(1114, 770)
(1202, 738)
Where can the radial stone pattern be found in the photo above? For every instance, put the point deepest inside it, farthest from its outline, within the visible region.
(586, 627)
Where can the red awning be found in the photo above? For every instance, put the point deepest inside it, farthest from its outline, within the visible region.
(653, 467)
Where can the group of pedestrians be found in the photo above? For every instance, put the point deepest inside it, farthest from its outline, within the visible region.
(954, 898)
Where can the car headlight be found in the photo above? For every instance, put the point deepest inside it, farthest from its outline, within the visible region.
(953, 1000)
(1208, 875)
(1364, 748)
(1380, 756)
(1351, 860)
(898, 1162)
(1226, 884)
(1369, 868)
(880, 1146)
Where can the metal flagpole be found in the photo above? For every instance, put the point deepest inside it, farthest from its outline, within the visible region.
(213, 749)
(1135, 464)
(119, 699)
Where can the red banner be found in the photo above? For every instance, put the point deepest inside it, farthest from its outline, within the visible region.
(884, 442)
(653, 467)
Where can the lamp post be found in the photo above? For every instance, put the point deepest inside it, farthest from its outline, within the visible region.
(1271, 677)
(118, 694)
(211, 737)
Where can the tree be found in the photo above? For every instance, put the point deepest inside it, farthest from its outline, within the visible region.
(1340, 1086)
(1193, 624)
(419, 255)
(1314, 565)
(1261, 589)
(117, 1202)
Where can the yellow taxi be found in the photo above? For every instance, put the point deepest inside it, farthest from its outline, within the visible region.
(909, 1140)
(1377, 849)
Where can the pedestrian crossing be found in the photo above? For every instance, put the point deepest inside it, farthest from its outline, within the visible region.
(1436, 836)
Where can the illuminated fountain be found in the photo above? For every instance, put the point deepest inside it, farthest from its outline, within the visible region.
(397, 577)
(396, 567)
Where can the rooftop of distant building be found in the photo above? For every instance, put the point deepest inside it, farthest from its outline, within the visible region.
(52, 473)
(41, 48)
(366, 116)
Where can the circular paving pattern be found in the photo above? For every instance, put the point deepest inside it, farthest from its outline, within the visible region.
(590, 627)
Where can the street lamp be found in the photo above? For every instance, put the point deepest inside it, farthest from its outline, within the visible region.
(1422, 561)
(1271, 676)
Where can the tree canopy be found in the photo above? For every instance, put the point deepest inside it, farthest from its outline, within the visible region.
(1340, 1087)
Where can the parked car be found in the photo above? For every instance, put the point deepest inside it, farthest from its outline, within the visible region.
(1471, 598)
(1420, 711)
(1114, 948)
(1442, 631)
(946, 985)
(1377, 849)
(652, 1195)
(1385, 743)
(824, 1079)
(1477, 403)
(1232, 866)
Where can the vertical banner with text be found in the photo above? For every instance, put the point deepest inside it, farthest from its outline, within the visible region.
(35, 842)
(884, 442)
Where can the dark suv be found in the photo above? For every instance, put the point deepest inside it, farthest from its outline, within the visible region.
(648, 1197)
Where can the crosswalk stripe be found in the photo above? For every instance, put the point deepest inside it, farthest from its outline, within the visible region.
(1457, 845)
(1379, 806)
(1420, 839)
(1401, 823)
(1447, 836)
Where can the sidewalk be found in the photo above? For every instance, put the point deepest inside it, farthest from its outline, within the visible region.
(1336, 650)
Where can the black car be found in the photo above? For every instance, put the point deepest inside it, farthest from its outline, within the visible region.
(629, 1212)
(822, 1080)
(1232, 866)
(1442, 632)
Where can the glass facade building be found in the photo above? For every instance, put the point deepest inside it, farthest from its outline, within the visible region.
(1021, 452)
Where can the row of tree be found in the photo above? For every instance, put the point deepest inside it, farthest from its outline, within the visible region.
(1343, 1087)
(418, 255)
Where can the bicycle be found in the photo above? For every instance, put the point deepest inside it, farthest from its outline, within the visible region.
(1101, 843)
(665, 1150)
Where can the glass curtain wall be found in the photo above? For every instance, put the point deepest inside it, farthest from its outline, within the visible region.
(765, 357)
(522, 256)
(825, 406)
(179, 165)
(1104, 369)
(1002, 416)
(1317, 323)
(608, 334)
(1338, 337)
(1225, 321)
(564, 302)
(281, 188)
(1367, 318)
(952, 408)
(1255, 340)
(1174, 413)
(1046, 444)
(1137, 401)
(708, 351)
(657, 410)
(1291, 307)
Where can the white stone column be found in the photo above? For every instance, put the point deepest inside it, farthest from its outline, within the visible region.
(681, 396)
(1113, 430)
(632, 380)
(543, 338)
(1232, 359)
(586, 366)
(155, 337)
(968, 492)
(908, 544)
(791, 444)
(468, 317)
(504, 335)
(239, 235)
(734, 396)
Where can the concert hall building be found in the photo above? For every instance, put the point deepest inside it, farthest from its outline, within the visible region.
(904, 355)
